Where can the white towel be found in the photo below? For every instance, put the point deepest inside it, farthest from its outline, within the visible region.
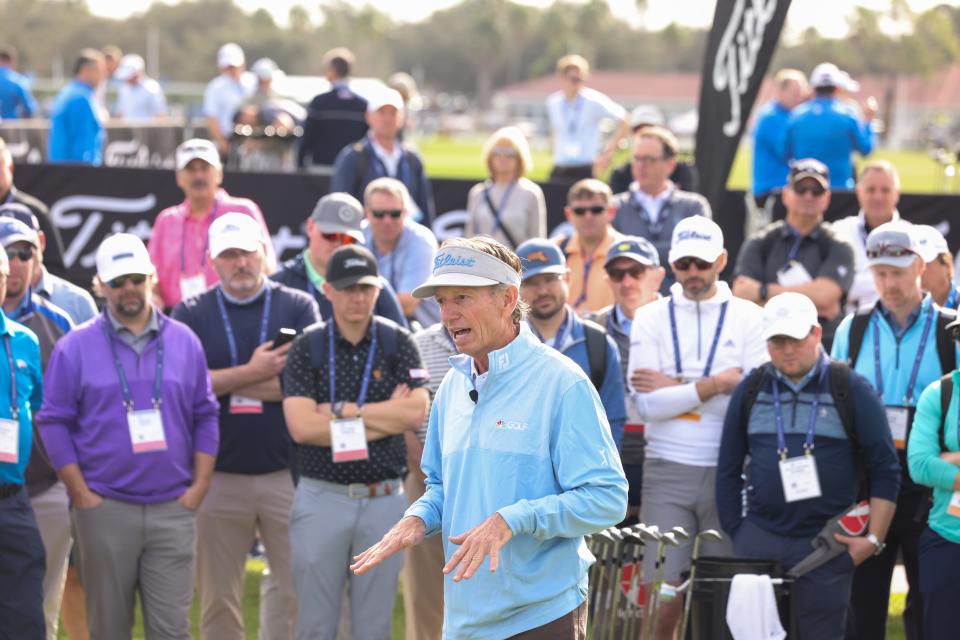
(752, 609)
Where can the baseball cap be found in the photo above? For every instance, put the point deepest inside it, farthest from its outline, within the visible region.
(230, 55)
(848, 83)
(120, 255)
(264, 68)
(541, 256)
(130, 65)
(646, 114)
(234, 230)
(385, 97)
(809, 168)
(197, 148)
(789, 314)
(350, 265)
(828, 74)
(14, 230)
(696, 237)
(637, 249)
(458, 266)
(892, 243)
(930, 242)
(21, 212)
(339, 213)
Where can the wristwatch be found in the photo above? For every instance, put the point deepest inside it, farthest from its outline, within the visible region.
(875, 541)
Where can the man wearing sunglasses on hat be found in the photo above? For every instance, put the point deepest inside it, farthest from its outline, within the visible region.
(130, 425)
(687, 353)
(335, 222)
(800, 253)
(901, 345)
(590, 210)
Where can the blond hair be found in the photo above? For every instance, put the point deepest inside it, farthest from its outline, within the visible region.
(515, 138)
(486, 244)
(574, 61)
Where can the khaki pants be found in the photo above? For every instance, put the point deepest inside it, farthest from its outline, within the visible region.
(423, 577)
(52, 510)
(235, 508)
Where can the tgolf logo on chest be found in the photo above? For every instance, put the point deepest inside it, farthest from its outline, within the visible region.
(511, 425)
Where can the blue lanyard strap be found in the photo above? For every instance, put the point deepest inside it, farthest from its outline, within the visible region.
(811, 424)
(228, 327)
(587, 265)
(367, 368)
(795, 249)
(951, 302)
(676, 338)
(124, 385)
(14, 405)
(498, 211)
(558, 339)
(206, 241)
(877, 369)
(573, 114)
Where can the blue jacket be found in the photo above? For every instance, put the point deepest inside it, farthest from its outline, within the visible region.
(26, 357)
(536, 449)
(76, 133)
(770, 167)
(830, 130)
(16, 101)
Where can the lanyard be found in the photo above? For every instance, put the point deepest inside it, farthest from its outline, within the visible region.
(124, 385)
(497, 211)
(795, 249)
(392, 256)
(206, 241)
(367, 368)
(676, 338)
(778, 415)
(228, 327)
(951, 302)
(559, 338)
(587, 265)
(912, 381)
(573, 114)
(14, 406)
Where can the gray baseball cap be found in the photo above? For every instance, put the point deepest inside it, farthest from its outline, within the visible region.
(339, 213)
(894, 244)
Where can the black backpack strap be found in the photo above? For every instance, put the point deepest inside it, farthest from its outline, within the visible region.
(843, 401)
(596, 337)
(316, 336)
(858, 327)
(360, 171)
(946, 350)
(946, 395)
(752, 389)
(389, 339)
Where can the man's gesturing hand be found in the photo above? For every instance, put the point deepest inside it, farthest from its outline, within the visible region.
(406, 533)
(487, 538)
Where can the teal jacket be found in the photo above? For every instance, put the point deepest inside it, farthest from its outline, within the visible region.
(923, 455)
(535, 448)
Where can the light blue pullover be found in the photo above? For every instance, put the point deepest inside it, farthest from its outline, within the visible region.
(535, 448)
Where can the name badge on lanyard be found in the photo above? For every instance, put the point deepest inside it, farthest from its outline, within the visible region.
(240, 404)
(677, 359)
(898, 418)
(145, 425)
(10, 428)
(192, 286)
(348, 436)
(798, 475)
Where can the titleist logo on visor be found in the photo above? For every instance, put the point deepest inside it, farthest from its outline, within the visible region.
(450, 260)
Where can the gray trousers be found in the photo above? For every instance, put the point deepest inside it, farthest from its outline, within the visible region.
(124, 548)
(326, 530)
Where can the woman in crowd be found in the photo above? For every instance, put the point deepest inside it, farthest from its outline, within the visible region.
(507, 206)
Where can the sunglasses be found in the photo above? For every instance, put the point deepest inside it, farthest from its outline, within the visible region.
(380, 213)
(339, 238)
(815, 189)
(120, 281)
(683, 264)
(891, 251)
(596, 210)
(505, 152)
(617, 275)
(23, 254)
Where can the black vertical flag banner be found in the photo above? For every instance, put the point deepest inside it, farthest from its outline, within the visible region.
(742, 41)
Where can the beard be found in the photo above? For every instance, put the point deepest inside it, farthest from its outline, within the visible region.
(131, 307)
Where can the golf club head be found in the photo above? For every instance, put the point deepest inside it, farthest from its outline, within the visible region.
(680, 533)
(615, 533)
(630, 536)
(605, 536)
(650, 534)
(670, 538)
(710, 534)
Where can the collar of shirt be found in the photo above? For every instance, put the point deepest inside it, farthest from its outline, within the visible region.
(25, 308)
(501, 359)
(600, 253)
(479, 379)
(153, 325)
(312, 274)
(245, 301)
(899, 331)
(367, 336)
(862, 222)
(218, 198)
(43, 285)
(807, 377)
(652, 204)
(787, 231)
(621, 319)
(5, 327)
(391, 160)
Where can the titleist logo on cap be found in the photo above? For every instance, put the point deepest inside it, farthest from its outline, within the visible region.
(121, 256)
(694, 235)
(355, 262)
(449, 260)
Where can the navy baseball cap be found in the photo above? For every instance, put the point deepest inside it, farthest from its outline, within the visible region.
(637, 249)
(21, 212)
(540, 256)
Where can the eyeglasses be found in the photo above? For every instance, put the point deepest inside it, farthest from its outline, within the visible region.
(647, 159)
(338, 238)
(506, 152)
(576, 79)
(120, 281)
(596, 210)
(816, 189)
(380, 213)
(636, 273)
(23, 254)
(683, 264)
(889, 251)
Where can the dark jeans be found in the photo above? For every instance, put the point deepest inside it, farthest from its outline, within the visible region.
(939, 568)
(22, 566)
(572, 626)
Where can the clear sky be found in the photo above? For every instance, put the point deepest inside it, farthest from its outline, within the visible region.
(827, 15)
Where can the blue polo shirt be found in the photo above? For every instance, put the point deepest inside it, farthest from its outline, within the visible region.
(16, 101)
(770, 167)
(29, 383)
(250, 443)
(76, 133)
(830, 130)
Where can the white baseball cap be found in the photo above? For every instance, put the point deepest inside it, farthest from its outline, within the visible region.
(893, 244)
(130, 65)
(828, 74)
(696, 237)
(197, 148)
(930, 242)
(264, 69)
(120, 255)
(234, 230)
(385, 97)
(230, 55)
(789, 314)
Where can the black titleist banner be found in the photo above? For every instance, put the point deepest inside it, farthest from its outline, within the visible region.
(742, 40)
